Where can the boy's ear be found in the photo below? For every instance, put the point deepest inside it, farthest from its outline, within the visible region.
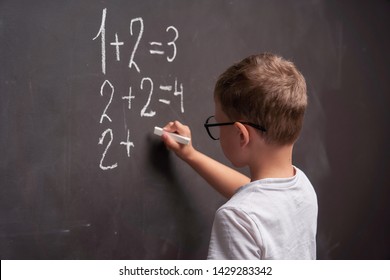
(243, 132)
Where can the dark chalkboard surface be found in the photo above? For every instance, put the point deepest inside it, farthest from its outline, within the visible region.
(83, 83)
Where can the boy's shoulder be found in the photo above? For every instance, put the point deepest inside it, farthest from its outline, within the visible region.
(272, 194)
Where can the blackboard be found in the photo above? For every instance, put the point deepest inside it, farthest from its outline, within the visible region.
(83, 83)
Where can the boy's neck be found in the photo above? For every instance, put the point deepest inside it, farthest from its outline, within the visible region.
(273, 162)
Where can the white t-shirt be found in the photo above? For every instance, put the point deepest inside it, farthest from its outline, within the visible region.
(267, 219)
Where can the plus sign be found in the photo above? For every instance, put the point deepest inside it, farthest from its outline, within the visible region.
(128, 144)
(129, 97)
(117, 44)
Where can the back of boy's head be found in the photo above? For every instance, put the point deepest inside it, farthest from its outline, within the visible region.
(267, 90)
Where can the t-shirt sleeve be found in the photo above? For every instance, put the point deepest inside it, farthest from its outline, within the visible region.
(233, 236)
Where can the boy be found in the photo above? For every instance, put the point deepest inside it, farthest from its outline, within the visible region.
(259, 108)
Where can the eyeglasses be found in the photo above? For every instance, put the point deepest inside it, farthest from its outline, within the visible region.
(214, 133)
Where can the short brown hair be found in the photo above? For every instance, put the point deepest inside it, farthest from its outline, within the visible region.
(267, 90)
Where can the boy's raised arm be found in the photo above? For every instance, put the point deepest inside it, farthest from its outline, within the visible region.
(222, 178)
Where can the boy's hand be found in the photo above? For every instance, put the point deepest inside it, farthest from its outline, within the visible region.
(182, 151)
(223, 178)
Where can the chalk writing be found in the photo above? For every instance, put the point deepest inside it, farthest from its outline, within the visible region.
(143, 111)
(179, 93)
(104, 115)
(141, 30)
(128, 143)
(102, 35)
(129, 97)
(167, 93)
(173, 42)
(117, 44)
(108, 130)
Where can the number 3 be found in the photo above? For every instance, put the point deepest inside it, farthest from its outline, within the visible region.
(172, 43)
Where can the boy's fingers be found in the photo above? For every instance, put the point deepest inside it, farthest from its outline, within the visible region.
(177, 127)
(182, 129)
(169, 142)
(169, 127)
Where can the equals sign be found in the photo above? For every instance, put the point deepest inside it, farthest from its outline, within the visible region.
(156, 51)
(165, 88)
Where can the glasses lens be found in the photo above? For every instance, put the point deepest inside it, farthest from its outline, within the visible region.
(213, 130)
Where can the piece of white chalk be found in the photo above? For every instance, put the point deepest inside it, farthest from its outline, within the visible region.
(178, 138)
